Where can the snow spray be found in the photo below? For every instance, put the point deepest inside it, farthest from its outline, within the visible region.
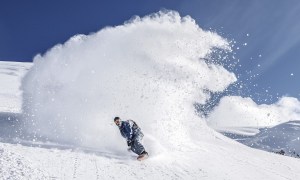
(150, 69)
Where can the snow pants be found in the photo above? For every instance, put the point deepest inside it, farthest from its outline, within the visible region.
(137, 146)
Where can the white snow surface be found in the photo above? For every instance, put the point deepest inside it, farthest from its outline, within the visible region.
(217, 159)
(151, 70)
(10, 93)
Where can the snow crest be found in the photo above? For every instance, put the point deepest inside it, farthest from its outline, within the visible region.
(151, 69)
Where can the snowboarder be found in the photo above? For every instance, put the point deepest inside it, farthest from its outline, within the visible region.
(133, 134)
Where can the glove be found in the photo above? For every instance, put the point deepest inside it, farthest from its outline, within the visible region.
(129, 143)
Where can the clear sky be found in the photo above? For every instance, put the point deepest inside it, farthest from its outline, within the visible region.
(269, 61)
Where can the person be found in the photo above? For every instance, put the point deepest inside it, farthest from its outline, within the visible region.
(133, 135)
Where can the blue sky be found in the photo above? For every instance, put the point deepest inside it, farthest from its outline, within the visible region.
(269, 27)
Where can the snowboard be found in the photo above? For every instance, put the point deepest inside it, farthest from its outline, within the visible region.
(142, 157)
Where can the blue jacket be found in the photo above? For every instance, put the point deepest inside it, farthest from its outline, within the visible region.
(129, 130)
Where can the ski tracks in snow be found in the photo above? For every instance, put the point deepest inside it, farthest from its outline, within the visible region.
(15, 166)
(75, 167)
(22, 162)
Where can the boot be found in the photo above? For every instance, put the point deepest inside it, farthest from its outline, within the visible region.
(143, 156)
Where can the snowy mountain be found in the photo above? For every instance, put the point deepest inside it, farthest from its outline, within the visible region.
(151, 70)
(285, 137)
(282, 139)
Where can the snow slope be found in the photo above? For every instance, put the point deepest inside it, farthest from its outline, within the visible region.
(217, 158)
(209, 160)
(10, 93)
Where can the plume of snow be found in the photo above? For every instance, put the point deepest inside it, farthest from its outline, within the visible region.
(150, 69)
